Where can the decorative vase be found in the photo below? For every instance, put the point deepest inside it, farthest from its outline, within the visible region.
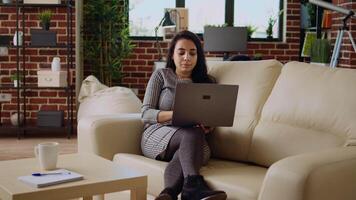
(14, 119)
(56, 64)
(19, 41)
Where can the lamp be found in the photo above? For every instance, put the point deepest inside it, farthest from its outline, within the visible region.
(165, 22)
(340, 33)
(225, 39)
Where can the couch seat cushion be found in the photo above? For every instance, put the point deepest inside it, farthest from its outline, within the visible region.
(240, 181)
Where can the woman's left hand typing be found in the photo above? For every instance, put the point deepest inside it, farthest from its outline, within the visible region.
(206, 129)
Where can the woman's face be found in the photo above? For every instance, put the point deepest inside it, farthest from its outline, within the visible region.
(185, 56)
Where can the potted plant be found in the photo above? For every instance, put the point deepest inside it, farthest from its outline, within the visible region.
(320, 52)
(257, 56)
(44, 36)
(269, 31)
(250, 30)
(270, 24)
(106, 39)
(45, 19)
(16, 78)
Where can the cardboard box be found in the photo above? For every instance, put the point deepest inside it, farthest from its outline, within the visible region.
(48, 78)
(42, 1)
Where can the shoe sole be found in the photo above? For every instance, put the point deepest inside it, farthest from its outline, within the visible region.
(221, 196)
(164, 197)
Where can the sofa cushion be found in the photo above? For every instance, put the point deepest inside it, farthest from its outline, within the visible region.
(256, 79)
(240, 181)
(310, 108)
(111, 100)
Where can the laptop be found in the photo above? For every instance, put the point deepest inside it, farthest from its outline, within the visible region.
(201, 103)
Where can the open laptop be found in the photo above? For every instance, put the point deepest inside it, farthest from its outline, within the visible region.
(208, 104)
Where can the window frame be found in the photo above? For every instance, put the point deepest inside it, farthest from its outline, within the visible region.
(229, 20)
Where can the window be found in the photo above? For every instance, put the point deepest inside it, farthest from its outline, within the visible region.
(202, 14)
(145, 15)
(256, 14)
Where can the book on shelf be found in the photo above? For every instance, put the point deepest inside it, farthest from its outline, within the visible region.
(309, 38)
(327, 19)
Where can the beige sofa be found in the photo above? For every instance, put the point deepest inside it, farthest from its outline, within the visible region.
(293, 138)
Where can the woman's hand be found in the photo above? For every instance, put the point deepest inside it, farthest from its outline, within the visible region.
(206, 129)
(164, 116)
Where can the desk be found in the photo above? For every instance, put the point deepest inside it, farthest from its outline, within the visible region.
(100, 176)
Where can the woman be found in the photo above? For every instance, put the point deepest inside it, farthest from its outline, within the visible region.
(184, 147)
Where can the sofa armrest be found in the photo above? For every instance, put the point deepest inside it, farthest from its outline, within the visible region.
(107, 135)
(327, 175)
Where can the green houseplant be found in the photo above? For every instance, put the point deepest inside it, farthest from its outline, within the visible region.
(270, 24)
(250, 30)
(269, 31)
(106, 39)
(45, 19)
(320, 51)
(257, 56)
(16, 78)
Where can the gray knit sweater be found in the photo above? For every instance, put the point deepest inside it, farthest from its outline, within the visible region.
(159, 96)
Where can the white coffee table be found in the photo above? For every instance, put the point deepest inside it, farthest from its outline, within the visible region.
(100, 176)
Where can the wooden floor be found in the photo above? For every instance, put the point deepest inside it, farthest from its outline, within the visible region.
(12, 148)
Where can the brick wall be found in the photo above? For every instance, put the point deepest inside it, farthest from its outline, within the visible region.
(138, 67)
(35, 59)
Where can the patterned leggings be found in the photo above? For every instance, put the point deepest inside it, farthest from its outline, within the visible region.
(187, 151)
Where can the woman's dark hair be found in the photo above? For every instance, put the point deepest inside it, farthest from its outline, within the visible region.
(200, 72)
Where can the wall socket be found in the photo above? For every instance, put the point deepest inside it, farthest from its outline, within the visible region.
(4, 51)
(5, 97)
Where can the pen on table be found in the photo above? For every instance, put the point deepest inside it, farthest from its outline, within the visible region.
(53, 173)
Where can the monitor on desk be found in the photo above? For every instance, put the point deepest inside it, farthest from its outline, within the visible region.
(225, 39)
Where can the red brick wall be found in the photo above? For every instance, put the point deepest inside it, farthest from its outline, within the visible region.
(138, 67)
(347, 53)
(36, 58)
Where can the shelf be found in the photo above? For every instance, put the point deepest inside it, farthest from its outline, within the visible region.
(33, 5)
(7, 86)
(34, 86)
(41, 46)
(22, 130)
(7, 127)
(46, 88)
(314, 29)
(27, 86)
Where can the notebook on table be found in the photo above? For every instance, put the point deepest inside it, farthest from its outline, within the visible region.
(202, 103)
(55, 177)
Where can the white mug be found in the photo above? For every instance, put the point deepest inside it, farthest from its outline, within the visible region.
(18, 34)
(56, 64)
(47, 154)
